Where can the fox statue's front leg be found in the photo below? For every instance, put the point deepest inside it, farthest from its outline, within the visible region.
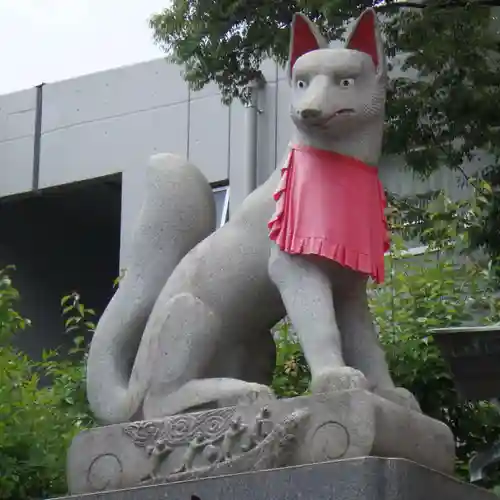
(328, 305)
(306, 292)
(360, 343)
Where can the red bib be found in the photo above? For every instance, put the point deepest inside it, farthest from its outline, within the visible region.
(331, 205)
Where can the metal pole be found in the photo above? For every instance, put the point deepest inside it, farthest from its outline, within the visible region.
(251, 148)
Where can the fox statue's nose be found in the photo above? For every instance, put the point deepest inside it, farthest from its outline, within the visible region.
(310, 114)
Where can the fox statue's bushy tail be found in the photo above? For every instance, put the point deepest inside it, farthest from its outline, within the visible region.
(178, 213)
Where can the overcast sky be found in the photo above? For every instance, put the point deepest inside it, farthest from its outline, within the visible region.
(42, 41)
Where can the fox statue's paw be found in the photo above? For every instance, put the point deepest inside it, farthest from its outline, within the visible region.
(342, 378)
(400, 396)
(253, 393)
(202, 394)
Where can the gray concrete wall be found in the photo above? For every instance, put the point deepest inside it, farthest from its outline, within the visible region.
(17, 135)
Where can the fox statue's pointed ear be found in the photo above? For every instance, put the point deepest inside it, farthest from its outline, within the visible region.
(305, 37)
(366, 37)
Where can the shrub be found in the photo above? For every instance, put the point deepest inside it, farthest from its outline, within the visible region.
(291, 375)
(418, 297)
(36, 423)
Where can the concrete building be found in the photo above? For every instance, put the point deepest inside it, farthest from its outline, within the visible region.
(72, 164)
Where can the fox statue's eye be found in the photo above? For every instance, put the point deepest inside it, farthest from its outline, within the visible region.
(301, 84)
(347, 82)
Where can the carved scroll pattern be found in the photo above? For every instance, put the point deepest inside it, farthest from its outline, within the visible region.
(180, 430)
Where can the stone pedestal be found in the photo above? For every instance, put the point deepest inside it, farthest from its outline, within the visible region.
(289, 432)
(351, 479)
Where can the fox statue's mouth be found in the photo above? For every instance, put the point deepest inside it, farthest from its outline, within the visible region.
(324, 121)
(340, 112)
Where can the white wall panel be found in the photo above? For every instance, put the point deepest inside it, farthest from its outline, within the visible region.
(266, 132)
(17, 127)
(209, 136)
(284, 132)
(113, 93)
(111, 145)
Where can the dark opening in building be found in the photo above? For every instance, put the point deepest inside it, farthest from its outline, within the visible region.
(61, 240)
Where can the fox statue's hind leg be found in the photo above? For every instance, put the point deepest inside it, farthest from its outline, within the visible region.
(182, 349)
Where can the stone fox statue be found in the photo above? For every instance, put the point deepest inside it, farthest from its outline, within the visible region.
(189, 326)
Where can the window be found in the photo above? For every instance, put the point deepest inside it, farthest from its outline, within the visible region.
(221, 195)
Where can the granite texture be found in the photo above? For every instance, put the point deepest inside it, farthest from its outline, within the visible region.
(308, 429)
(368, 478)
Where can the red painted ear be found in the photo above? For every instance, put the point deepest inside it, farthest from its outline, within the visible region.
(303, 39)
(364, 36)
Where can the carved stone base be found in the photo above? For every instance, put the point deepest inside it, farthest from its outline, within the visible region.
(297, 431)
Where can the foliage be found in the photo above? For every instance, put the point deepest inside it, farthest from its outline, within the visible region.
(291, 375)
(446, 286)
(37, 422)
(446, 114)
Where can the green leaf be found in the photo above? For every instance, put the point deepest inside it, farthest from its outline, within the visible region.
(67, 309)
(71, 320)
(65, 299)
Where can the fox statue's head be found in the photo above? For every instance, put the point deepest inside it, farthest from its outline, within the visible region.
(338, 95)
